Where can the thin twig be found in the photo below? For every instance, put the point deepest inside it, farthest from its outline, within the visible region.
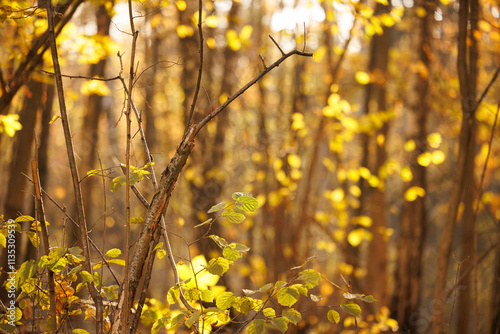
(74, 170)
(277, 45)
(233, 97)
(200, 69)
(127, 170)
(40, 214)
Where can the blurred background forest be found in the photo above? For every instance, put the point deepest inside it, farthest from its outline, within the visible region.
(373, 156)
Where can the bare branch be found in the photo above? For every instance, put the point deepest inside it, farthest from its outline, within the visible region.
(200, 69)
(277, 45)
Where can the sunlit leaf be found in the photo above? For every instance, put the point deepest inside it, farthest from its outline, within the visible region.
(333, 316)
(362, 77)
(280, 323)
(269, 312)
(351, 308)
(413, 193)
(256, 326)
(10, 124)
(225, 300)
(115, 252)
(288, 296)
(218, 266)
(173, 295)
(217, 207)
(233, 216)
(206, 222)
(246, 203)
(292, 315)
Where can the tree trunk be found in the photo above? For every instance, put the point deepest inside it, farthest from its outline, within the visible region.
(414, 218)
(376, 208)
(17, 187)
(467, 75)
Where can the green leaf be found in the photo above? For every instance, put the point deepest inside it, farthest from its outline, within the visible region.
(280, 323)
(116, 183)
(256, 326)
(79, 331)
(219, 241)
(225, 300)
(231, 254)
(269, 312)
(86, 276)
(75, 250)
(233, 216)
(239, 247)
(292, 315)
(247, 203)
(265, 287)
(136, 220)
(333, 316)
(311, 277)
(173, 295)
(59, 265)
(110, 292)
(237, 195)
(192, 294)
(208, 221)
(177, 320)
(288, 296)
(94, 172)
(280, 284)
(207, 296)
(192, 319)
(115, 252)
(34, 239)
(217, 207)
(218, 266)
(24, 219)
(369, 299)
(351, 308)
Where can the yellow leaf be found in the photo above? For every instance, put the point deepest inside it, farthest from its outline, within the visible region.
(356, 236)
(233, 41)
(364, 172)
(294, 161)
(421, 11)
(181, 5)
(55, 118)
(184, 31)
(211, 43)
(412, 193)
(383, 2)
(337, 195)
(319, 54)
(212, 21)
(406, 174)
(362, 77)
(96, 87)
(410, 145)
(424, 159)
(246, 32)
(10, 124)
(434, 139)
(353, 175)
(355, 191)
(363, 221)
(438, 157)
